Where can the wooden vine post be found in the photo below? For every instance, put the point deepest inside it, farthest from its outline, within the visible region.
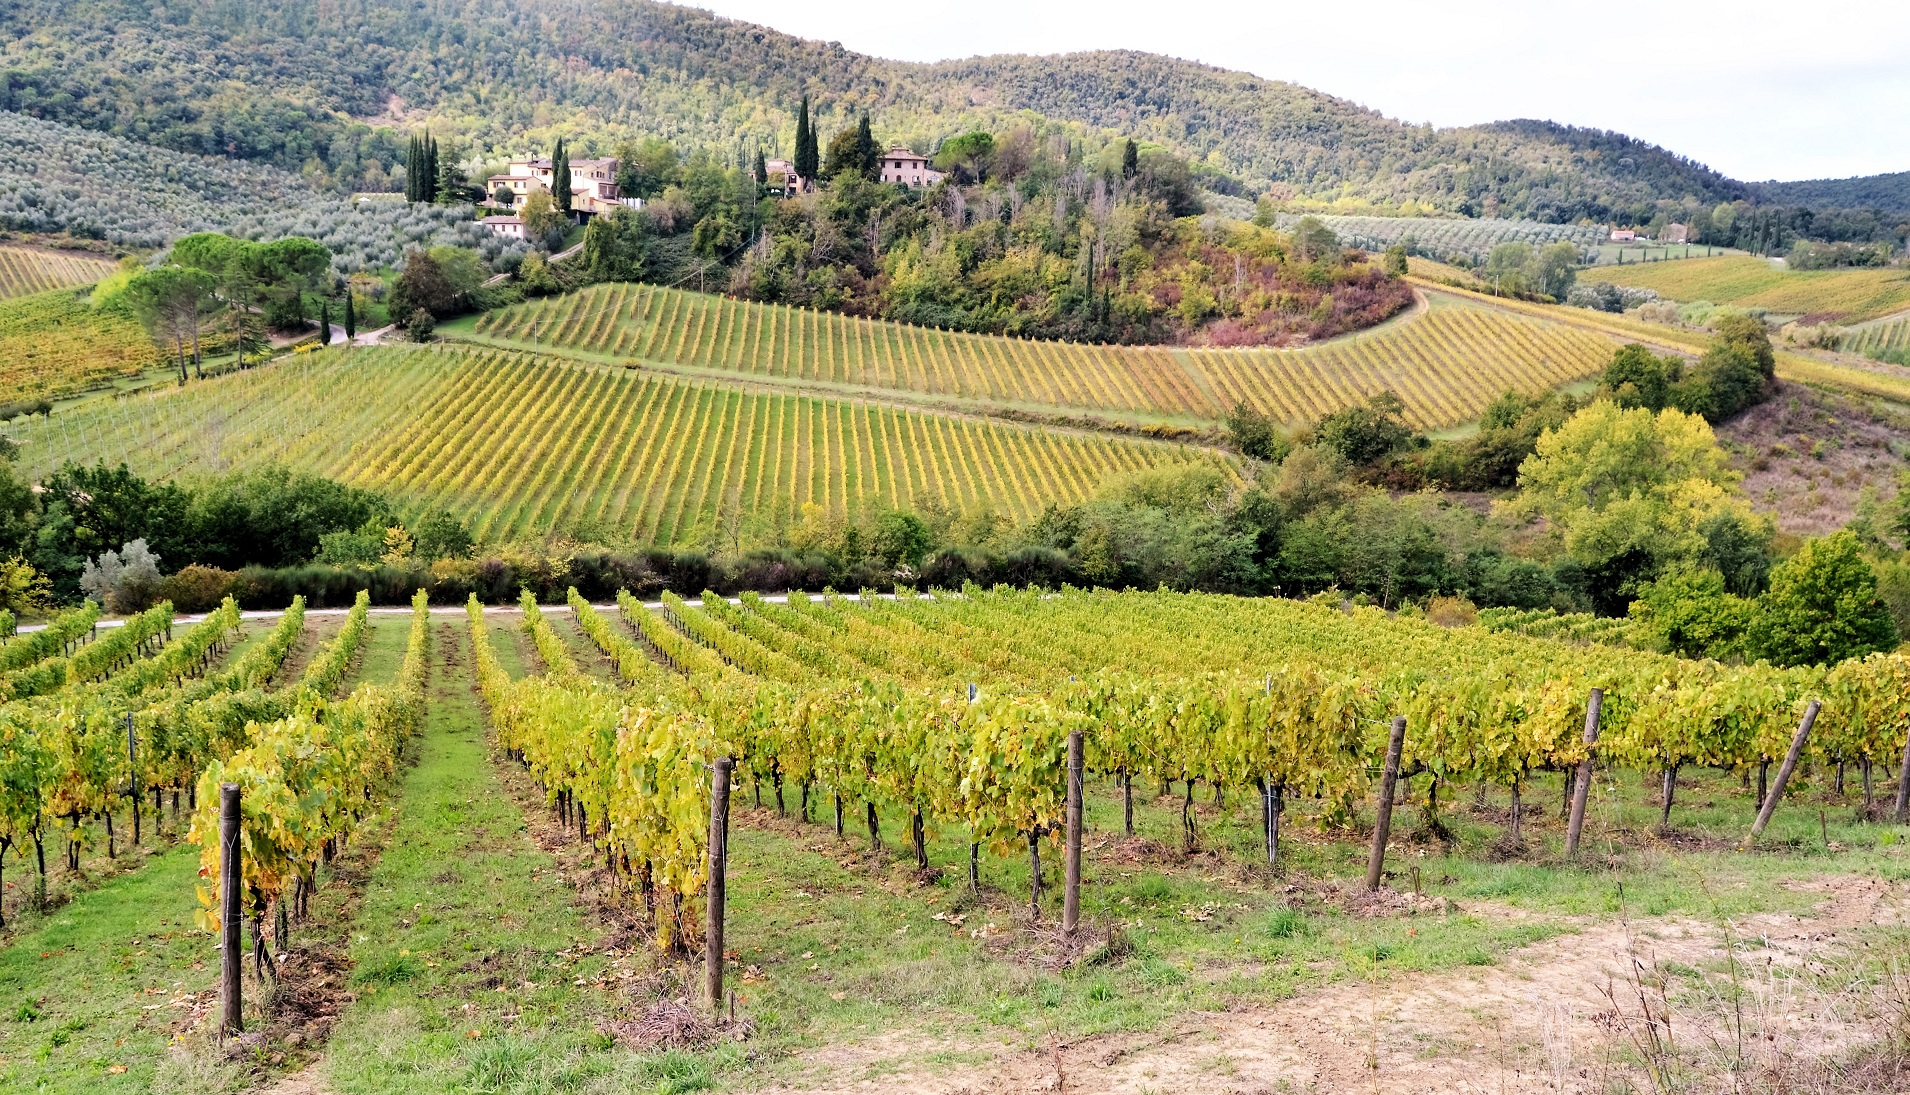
(719, 863)
(1582, 787)
(1071, 891)
(1388, 780)
(1783, 775)
(132, 768)
(231, 967)
(1903, 786)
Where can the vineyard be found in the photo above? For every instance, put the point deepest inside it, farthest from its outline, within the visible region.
(525, 445)
(54, 343)
(1794, 367)
(27, 270)
(1447, 364)
(1249, 739)
(1891, 336)
(1747, 282)
(953, 714)
(1440, 238)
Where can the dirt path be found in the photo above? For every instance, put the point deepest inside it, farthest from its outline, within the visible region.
(1538, 1021)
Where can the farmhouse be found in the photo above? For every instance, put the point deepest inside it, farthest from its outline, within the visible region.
(507, 226)
(593, 183)
(1623, 235)
(783, 177)
(900, 165)
(1675, 233)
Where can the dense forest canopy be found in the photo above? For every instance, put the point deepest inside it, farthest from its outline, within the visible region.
(333, 90)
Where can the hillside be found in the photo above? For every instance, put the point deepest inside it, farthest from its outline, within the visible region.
(60, 178)
(1890, 193)
(330, 91)
(1447, 363)
(1849, 295)
(525, 445)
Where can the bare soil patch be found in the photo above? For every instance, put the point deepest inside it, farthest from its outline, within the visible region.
(1808, 456)
(1551, 1017)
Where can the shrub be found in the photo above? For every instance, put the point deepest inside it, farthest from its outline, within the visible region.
(199, 588)
(420, 326)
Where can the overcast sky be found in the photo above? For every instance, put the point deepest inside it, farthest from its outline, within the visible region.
(1756, 89)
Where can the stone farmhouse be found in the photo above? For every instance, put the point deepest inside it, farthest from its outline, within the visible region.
(899, 165)
(593, 190)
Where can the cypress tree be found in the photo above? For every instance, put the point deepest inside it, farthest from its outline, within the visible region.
(324, 323)
(762, 169)
(351, 318)
(807, 159)
(867, 151)
(414, 155)
(447, 180)
(560, 177)
(431, 158)
(1130, 160)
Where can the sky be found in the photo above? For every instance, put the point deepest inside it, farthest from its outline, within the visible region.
(1756, 89)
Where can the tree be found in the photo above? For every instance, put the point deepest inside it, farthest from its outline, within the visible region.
(1823, 607)
(448, 187)
(1637, 377)
(422, 286)
(351, 316)
(324, 323)
(901, 539)
(421, 169)
(1313, 240)
(170, 301)
(807, 161)
(440, 535)
(540, 215)
(1738, 371)
(761, 169)
(1256, 434)
(420, 325)
(854, 152)
(967, 157)
(1367, 434)
(126, 581)
(616, 247)
(1626, 493)
(560, 177)
(1396, 261)
(869, 154)
(1130, 159)
(1690, 613)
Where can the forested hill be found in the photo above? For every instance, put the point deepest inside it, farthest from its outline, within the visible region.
(331, 89)
(1889, 193)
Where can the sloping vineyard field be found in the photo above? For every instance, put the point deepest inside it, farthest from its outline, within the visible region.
(1885, 381)
(524, 445)
(54, 343)
(1447, 364)
(1750, 282)
(1890, 336)
(26, 270)
(952, 712)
